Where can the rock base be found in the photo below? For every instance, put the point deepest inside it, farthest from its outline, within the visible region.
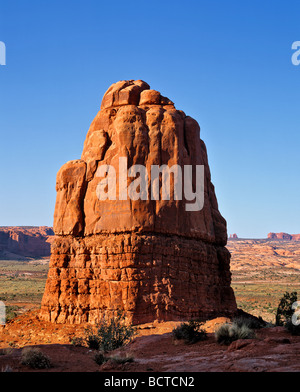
(149, 276)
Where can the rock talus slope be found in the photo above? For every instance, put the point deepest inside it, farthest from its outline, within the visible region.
(150, 258)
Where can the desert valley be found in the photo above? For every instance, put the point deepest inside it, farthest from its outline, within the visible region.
(262, 271)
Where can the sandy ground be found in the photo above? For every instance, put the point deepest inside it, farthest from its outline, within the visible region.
(153, 350)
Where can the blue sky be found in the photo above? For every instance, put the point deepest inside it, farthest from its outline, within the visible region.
(225, 63)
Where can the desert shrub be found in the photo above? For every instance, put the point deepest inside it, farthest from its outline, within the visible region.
(227, 333)
(77, 342)
(292, 328)
(6, 351)
(284, 311)
(92, 340)
(110, 334)
(250, 322)
(99, 358)
(6, 369)
(121, 360)
(11, 312)
(190, 332)
(35, 358)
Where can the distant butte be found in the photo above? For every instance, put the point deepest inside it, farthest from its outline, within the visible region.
(284, 236)
(23, 242)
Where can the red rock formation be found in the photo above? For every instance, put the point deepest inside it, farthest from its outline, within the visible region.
(151, 258)
(23, 242)
(233, 236)
(284, 236)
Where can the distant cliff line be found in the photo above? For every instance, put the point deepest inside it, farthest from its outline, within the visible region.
(284, 236)
(23, 242)
(271, 236)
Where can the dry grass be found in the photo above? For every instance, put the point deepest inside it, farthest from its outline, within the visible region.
(261, 274)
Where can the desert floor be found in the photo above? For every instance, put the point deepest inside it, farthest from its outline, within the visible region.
(262, 271)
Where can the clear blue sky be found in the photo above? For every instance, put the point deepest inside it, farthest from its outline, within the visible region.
(225, 63)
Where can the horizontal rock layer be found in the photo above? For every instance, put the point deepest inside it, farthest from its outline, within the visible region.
(151, 277)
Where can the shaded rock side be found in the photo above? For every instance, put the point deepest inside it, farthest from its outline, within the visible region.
(151, 258)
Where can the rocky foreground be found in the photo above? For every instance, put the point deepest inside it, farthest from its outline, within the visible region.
(153, 350)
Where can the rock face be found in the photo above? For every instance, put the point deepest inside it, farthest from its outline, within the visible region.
(150, 258)
(20, 243)
(284, 236)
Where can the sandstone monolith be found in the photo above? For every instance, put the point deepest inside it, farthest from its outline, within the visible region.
(150, 258)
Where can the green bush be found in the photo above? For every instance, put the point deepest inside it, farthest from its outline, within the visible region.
(250, 322)
(190, 332)
(11, 312)
(92, 340)
(227, 333)
(35, 358)
(284, 310)
(110, 334)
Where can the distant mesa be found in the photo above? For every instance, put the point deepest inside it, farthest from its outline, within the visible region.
(25, 242)
(233, 236)
(284, 236)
